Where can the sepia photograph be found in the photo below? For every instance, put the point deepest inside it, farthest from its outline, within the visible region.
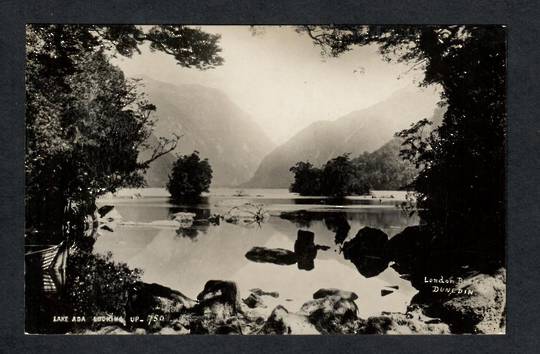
(265, 179)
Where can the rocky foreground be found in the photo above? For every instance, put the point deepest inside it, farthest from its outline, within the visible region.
(462, 301)
(219, 309)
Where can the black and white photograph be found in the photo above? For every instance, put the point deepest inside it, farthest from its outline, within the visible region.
(265, 179)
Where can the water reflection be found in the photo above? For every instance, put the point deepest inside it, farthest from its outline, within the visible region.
(304, 254)
(294, 236)
(335, 222)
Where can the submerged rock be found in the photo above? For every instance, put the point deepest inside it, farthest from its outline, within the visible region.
(282, 321)
(367, 251)
(271, 255)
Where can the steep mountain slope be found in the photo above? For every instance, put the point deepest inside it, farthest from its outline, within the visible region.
(209, 123)
(360, 131)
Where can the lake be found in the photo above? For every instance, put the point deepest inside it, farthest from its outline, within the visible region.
(185, 258)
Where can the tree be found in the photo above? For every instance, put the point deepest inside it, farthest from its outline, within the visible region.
(307, 179)
(190, 176)
(384, 169)
(339, 178)
(461, 184)
(85, 122)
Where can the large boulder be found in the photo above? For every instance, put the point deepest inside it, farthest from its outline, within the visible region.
(332, 314)
(219, 299)
(282, 321)
(154, 299)
(412, 322)
(476, 305)
(367, 251)
(410, 250)
(158, 298)
(271, 255)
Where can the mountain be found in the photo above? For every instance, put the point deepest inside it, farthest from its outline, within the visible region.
(210, 123)
(360, 131)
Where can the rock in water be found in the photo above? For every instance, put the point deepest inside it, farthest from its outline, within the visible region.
(347, 295)
(367, 251)
(282, 321)
(305, 249)
(219, 299)
(271, 255)
(385, 292)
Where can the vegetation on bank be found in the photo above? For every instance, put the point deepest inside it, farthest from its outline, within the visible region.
(96, 285)
(461, 181)
(190, 176)
(85, 122)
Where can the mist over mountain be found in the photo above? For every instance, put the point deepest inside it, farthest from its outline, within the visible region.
(210, 123)
(361, 131)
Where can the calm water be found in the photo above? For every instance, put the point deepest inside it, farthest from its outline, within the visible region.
(185, 258)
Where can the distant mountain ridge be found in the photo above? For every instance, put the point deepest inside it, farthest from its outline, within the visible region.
(210, 123)
(358, 132)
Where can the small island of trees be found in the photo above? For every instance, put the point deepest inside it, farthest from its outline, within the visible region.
(341, 176)
(190, 176)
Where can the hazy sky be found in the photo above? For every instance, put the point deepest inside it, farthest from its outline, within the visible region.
(280, 78)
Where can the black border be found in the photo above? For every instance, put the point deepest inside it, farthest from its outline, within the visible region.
(523, 193)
